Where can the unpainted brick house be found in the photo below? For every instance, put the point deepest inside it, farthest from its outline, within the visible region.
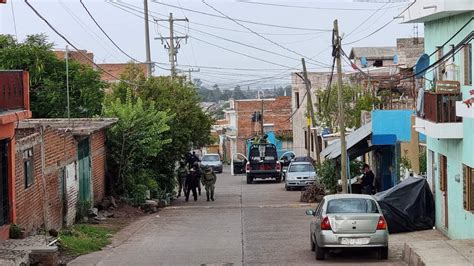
(60, 165)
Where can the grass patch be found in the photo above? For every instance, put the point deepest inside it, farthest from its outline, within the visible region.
(83, 238)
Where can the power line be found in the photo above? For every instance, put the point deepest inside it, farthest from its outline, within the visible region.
(379, 29)
(365, 20)
(229, 29)
(241, 20)
(14, 19)
(261, 36)
(70, 43)
(105, 33)
(310, 7)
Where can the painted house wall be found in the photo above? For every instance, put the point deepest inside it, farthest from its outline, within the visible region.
(458, 152)
(395, 124)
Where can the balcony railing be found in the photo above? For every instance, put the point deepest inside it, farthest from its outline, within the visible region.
(14, 90)
(440, 107)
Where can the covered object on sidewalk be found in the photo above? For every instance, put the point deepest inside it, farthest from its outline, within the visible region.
(408, 206)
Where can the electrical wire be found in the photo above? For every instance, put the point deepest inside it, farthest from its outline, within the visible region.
(364, 21)
(14, 19)
(261, 36)
(241, 20)
(74, 46)
(311, 7)
(105, 33)
(380, 28)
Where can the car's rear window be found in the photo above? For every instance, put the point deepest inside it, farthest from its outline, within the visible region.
(207, 158)
(301, 168)
(351, 205)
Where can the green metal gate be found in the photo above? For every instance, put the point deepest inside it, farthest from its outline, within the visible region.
(84, 171)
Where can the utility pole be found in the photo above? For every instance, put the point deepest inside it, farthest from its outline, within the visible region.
(342, 127)
(310, 114)
(261, 120)
(190, 71)
(147, 39)
(67, 85)
(170, 42)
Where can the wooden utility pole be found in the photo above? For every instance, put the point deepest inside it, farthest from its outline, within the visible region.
(147, 39)
(340, 99)
(310, 114)
(261, 121)
(170, 42)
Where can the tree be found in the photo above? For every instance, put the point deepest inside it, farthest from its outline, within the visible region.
(355, 100)
(133, 142)
(237, 94)
(189, 126)
(48, 78)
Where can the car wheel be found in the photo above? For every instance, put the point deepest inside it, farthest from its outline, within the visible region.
(320, 252)
(287, 188)
(249, 179)
(313, 246)
(383, 253)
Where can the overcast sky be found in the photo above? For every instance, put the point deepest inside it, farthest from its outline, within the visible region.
(307, 32)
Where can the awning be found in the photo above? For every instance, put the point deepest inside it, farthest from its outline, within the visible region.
(356, 143)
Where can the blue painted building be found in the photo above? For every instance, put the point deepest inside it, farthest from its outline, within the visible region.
(446, 120)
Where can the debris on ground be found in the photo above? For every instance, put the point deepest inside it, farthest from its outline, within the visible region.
(313, 193)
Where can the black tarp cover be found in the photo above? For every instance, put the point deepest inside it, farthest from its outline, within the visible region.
(408, 206)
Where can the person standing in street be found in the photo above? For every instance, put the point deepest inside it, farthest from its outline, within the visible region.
(192, 182)
(199, 173)
(208, 180)
(181, 174)
(367, 180)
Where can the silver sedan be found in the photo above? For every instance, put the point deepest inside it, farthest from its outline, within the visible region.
(348, 221)
(299, 174)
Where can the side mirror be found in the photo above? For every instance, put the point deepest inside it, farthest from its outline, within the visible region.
(310, 212)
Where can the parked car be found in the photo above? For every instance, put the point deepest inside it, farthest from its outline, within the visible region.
(348, 221)
(212, 160)
(299, 175)
(263, 163)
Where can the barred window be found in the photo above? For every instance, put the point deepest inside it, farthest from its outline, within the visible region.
(28, 167)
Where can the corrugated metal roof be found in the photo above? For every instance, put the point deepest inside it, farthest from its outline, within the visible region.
(334, 150)
(373, 52)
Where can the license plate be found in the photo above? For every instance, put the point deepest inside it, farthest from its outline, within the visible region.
(355, 241)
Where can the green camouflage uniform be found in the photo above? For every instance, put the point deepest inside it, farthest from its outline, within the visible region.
(181, 174)
(208, 179)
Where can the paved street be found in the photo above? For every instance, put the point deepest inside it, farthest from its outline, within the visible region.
(247, 224)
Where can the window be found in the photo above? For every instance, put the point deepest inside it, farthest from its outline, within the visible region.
(467, 64)
(210, 158)
(301, 168)
(28, 166)
(297, 99)
(353, 205)
(443, 172)
(378, 63)
(468, 188)
(306, 140)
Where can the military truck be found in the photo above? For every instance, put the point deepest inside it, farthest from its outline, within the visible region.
(263, 162)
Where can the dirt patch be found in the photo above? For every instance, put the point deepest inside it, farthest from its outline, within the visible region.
(117, 219)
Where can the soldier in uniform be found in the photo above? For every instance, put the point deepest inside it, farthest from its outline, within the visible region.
(192, 182)
(181, 174)
(208, 179)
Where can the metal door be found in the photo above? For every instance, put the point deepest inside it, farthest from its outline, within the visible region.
(4, 202)
(84, 170)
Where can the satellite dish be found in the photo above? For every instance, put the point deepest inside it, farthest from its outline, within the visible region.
(395, 59)
(363, 61)
(422, 65)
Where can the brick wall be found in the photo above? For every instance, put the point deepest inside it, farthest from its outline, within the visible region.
(98, 157)
(276, 111)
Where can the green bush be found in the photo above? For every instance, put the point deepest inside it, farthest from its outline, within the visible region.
(328, 175)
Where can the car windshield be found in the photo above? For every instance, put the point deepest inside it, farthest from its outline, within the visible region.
(351, 205)
(301, 168)
(208, 158)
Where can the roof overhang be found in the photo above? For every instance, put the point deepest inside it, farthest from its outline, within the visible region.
(76, 126)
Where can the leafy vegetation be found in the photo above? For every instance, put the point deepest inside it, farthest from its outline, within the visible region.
(133, 142)
(176, 104)
(82, 239)
(355, 101)
(48, 78)
(328, 175)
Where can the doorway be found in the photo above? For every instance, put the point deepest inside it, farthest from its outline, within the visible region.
(84, 170)
(4, 200)
(443, 185)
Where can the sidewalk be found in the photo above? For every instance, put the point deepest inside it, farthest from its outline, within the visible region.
(420, 251)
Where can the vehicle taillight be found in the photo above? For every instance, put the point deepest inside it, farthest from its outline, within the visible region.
(247, 167)
(381, 225)
(278, 166)
(325, 225)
